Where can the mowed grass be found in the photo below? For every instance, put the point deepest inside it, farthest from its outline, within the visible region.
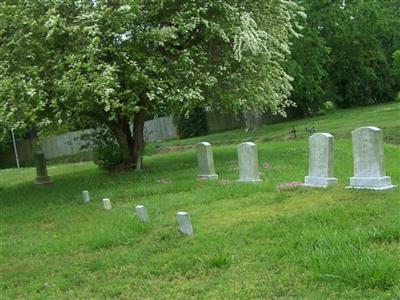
(250, 241)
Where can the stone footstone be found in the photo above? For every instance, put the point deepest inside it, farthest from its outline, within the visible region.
(42, 178)
(248, 163)
(206, 161)
(107, 204)
(321, 161)
(185, 225)
(142, 213)
(368, 156)
(85, 197)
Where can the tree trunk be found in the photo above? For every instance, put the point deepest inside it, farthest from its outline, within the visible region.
(138, 139)
(125, 141)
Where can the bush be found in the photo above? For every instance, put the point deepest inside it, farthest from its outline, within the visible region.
(192, 123)
(327, 108)
(397, 99)
(106, 153)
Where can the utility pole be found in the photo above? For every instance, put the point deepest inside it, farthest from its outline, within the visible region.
(15, 147)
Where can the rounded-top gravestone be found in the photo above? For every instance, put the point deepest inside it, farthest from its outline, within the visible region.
(321, 161)
(206, 161)
(368, 155)
(248, 163)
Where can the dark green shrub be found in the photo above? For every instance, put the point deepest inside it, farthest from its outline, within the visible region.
(192, 123)
(106, 153)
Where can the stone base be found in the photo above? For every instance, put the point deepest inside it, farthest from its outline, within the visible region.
(207, 177)
(320, 182)
(371, 183)
(249, 180)
(43, 181)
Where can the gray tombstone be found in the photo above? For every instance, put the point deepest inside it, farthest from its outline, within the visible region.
(42, 178)
(185, 225)
(107, 204)
(85, 197)
(206, 161)
(248, 163)
(368, 156)
(321, 161)
(142, 213)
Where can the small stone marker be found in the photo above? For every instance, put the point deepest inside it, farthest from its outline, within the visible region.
(42, 177)
(368, 156)
(248, 163)
(107, 204)
(321, 161)
(185, 225)
(206, 161)
(86, 197)
(142, 213)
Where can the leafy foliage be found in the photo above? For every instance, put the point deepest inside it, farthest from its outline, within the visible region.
(192, 123)
(116, 62)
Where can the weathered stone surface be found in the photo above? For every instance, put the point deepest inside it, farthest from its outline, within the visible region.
(248, 163)
(107, 204)
(206, 161)
(368, 155)
(185, 225)
(321, 161)
(142, 213)
(42, 177)
(86, 197)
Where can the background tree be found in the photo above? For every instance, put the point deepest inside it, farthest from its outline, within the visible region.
(113, 63)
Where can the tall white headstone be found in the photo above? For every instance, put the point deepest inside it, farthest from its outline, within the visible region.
(142, 213)
(248, 163)
(185, 225)
(85, 197)
(321, 161)
(206, 161)
(368, 156)
(107, 204)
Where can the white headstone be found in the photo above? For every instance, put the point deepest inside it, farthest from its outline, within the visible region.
(185, 225)
(142, 213)
(368, 156)
(206, 161)
(86, 197)
(321, 161)
(107, 204)
(248, 163)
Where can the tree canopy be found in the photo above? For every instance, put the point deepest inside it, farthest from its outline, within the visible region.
(110, 63)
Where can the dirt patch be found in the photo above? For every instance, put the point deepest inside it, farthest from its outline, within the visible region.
(168, 149)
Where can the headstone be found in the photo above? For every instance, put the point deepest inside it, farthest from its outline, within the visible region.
(185, 225)
(107, 204)
(142, 213)
(248, 163)
(206, 161)
(86, 197)
(321, 161)
(42, 178)
(368, 156)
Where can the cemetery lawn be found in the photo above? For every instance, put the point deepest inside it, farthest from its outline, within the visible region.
(250, 241)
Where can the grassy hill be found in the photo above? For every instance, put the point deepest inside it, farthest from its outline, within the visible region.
(250, 241)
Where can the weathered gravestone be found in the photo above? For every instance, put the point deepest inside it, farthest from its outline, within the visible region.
(321, 161)
(248, 163)
(185, 225)
(85, 197)
(107, 204)
(206, 161)
(368, 156)
(42, 178)
(142, 213)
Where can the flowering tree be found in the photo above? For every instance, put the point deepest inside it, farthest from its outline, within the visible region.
(113, 63)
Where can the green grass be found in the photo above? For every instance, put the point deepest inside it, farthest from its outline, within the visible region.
(251, 241)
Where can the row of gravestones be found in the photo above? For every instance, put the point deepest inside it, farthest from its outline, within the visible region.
(368, 155)
(183, 218)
